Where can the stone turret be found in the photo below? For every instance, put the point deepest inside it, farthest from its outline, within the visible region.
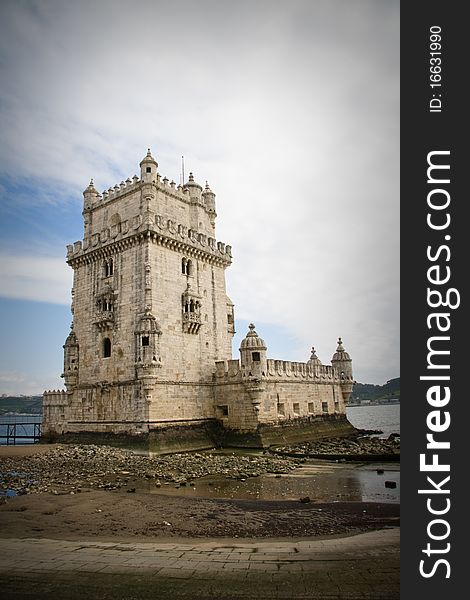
(71, 364)
(209, 198)
(148, 168)
(342, 361)
(90, 196)
(90, 199)
(195, 190)
(253, 361)
(314, 360)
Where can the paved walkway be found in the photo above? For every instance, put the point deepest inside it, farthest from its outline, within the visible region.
(362, 566)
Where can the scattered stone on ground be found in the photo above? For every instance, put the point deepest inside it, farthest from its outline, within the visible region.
(359, 444)
(68, 469)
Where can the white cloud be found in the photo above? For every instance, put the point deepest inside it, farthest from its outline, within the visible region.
(14, 383)
(290, 110)
(43, 279)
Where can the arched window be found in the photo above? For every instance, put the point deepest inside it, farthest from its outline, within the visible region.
(186, 266)
(108, 267)
(106, 348)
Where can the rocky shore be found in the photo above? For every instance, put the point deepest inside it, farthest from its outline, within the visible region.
(359, 446)
(70, 469)
(88, 492)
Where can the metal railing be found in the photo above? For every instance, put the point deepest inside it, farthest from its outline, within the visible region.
(30, 431)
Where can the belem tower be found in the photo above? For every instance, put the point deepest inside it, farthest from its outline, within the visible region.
(149, 354)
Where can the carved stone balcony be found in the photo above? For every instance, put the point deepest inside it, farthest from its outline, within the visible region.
(105, 320)
(191, 322)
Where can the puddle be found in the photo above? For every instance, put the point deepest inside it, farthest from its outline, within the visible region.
(321, 481)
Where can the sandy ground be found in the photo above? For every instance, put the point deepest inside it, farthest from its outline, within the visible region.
(119, 515)
(28, 450)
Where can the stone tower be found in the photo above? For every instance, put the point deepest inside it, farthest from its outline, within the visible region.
(149, 352)
(150, 311)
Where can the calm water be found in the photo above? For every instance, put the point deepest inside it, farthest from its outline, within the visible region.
(21, 430)
(386, 418)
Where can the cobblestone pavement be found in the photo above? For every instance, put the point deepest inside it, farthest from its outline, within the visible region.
(361, 566)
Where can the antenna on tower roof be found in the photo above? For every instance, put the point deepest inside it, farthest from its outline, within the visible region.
(182, 170)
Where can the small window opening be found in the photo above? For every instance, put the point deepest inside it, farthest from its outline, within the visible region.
(106, 348)
(230, 319)
(281, 409)
(223, 410)
(255, 356)
(324, 407)
(311, 408)
(148, 170)
(108, 267)
(145, 340)
(296, 408)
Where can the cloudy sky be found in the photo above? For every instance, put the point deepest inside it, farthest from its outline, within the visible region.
(290, 110)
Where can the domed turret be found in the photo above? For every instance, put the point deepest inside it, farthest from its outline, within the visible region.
(193, 187)
(342, 361)
(314, 360)
(90, 196)
(148, 168)
(253, 354)
(209, 198)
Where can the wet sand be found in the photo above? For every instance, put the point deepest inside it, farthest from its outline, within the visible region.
(124, 514)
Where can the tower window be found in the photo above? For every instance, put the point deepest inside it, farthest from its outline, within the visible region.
(311, 407)
(148, 170)
(186, 266)
(106, 348)
(324, 407)
(145, 340)
(296, 408)
(255, 356)
(222, 410)
(108, 267)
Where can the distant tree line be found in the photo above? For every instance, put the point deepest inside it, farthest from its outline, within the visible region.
(369, 391)
(23, 405)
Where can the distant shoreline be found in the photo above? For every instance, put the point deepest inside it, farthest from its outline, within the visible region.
(393, 402)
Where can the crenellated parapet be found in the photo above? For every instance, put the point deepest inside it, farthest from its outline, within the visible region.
(161, 230)
(55, 398)
(281, 370)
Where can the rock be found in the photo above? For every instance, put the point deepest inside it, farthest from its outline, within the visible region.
(380, 471)
(131, 491)
(305, 499)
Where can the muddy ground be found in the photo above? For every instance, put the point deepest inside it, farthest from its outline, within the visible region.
(86, 493)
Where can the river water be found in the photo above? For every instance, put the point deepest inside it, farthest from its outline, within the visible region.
(381, 416)
(24, 428)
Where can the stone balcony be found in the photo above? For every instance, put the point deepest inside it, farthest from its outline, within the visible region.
(191, 322)
(105, 320)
